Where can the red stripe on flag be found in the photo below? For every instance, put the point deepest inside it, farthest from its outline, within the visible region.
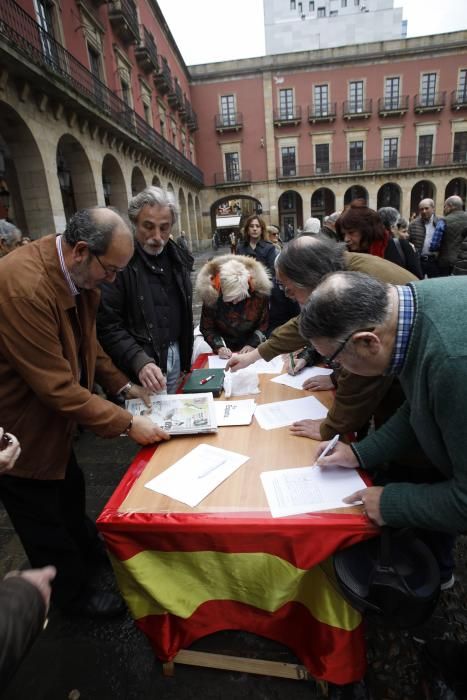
(328, 653)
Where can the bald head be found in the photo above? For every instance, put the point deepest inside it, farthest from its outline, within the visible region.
(426, 209)
(453, 203)
(99, 228)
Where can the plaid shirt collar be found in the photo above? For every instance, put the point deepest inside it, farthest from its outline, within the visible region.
(404, 328)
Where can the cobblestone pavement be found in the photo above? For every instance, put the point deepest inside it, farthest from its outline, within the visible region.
(113, 660)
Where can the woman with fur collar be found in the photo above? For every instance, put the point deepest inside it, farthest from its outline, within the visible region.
(234, 290)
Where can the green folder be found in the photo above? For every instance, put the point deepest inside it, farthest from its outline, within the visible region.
(195, 384)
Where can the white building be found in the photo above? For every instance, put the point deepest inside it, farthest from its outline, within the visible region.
(303, 25)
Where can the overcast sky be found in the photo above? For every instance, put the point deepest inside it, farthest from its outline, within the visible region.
(218, 30)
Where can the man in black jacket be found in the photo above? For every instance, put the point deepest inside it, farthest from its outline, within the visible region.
(145, 320)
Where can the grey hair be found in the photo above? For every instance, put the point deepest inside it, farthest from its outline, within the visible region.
(86, 226)
(151, 197)
(7, 231)
(307, 260)
(343, 303)
(402, 223)
(389, 216)
(455, 202)
(332, 218)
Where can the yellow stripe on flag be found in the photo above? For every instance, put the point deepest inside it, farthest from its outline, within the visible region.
(154, 583)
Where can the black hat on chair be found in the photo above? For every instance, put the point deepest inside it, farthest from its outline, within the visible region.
(394, 576)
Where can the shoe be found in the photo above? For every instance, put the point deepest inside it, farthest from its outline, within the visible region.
(446, 585)
(97, 604)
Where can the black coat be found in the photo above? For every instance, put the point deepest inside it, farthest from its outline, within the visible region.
(404, 256)
(131, 329)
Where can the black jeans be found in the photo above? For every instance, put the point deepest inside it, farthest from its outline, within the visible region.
(50, 519)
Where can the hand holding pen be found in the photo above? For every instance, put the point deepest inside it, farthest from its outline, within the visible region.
(224, 352)
(336, 454)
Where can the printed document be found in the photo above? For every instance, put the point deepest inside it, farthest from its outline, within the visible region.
(260, 366)
(296, 381)
(309, 489)
(178, 414)
(281, 413)
(234, 412)
(196, 474)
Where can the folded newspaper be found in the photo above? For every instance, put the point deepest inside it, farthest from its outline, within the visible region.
(178, 414)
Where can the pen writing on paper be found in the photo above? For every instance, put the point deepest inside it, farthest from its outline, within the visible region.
(329, 447)
(292, 362)
(207, 379)
(223, 342)
(212, 468)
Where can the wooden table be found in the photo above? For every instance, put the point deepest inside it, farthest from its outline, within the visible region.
(227, 564)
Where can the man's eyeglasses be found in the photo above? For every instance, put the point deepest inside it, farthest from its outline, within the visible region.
(108, 269)
(331, 361)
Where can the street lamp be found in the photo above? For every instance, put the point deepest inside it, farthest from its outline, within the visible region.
(64, 175)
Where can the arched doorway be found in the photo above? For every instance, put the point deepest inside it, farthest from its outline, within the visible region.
(355, 192)
(457, 186)
(74, 176)
(424, 189)
(24, 182)
(389, 195)
(138, 183)
(113, 182)
(323, 203)
(290, 213)
(229, 213)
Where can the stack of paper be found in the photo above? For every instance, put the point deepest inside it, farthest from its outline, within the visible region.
(296, 381)
(234, 412)
(281, 413)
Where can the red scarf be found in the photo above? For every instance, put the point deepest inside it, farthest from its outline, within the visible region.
(378, 248)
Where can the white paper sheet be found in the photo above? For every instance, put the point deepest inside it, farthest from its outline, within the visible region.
(260, 366)
(280, 413)
(196, 474)
(309, 489)
(296, 381)
(234, 412)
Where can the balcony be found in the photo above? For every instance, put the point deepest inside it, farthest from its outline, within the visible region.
(230, 121)
(37, 56)
(191, 118)
(124, 19)
(433, 102)
(337, 169)
(175, 96)
(290, 116)
(357, 109)
(322, 113)
(459, 99)
(393, 106)
(146, 52)
(241, 177)
(163, 76)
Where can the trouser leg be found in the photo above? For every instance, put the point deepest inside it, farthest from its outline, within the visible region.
(50, 520)
(173, 367)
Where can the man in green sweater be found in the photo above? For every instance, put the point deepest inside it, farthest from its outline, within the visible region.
(416, 333)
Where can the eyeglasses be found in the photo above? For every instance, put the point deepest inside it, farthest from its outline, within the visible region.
(331, 361)
(108, 269)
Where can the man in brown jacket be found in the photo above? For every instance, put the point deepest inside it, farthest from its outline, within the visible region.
(300, 267)
(49, 360)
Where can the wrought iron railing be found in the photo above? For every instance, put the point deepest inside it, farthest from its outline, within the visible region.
(430, 100)
(25, 36)
(356, 108)
(322, 111)
(229, 120)
(398, 103)
(233, 177)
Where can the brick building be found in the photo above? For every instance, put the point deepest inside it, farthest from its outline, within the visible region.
(96, 102)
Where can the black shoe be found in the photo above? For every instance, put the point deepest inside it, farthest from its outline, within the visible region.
(97, 604)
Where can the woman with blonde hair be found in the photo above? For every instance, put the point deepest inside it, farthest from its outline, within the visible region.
(235, 292)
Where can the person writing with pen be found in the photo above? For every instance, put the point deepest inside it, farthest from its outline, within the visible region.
(235, 292)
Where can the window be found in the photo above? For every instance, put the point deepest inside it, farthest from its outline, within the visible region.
(333, 13)
(126, 94)
(286, 106)
(228, 113)
(459, 154)
(356, 155)
(300, 8)
(44, 15)
(390, 147)
(343, 3)
(322, 157)
(292, 4)
(462, 86)
(162, 122)
(356, 3)
(321, 12)
(232, 167)
(320, 100)
(428, 96)
(311, 6)
(392, 93)
(425, 149)
(289, 166)
(356, 96)
(147, 112)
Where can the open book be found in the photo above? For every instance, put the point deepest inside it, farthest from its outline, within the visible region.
(178, 414)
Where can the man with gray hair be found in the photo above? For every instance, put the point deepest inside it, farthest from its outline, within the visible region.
(329, 226)
(145, 320)
(453, 247)
(49, 359)
(10, 237)
(421, 231)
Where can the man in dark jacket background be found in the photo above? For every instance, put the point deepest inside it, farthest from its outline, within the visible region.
(454, 243)
(145, 320)
(421, 233)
